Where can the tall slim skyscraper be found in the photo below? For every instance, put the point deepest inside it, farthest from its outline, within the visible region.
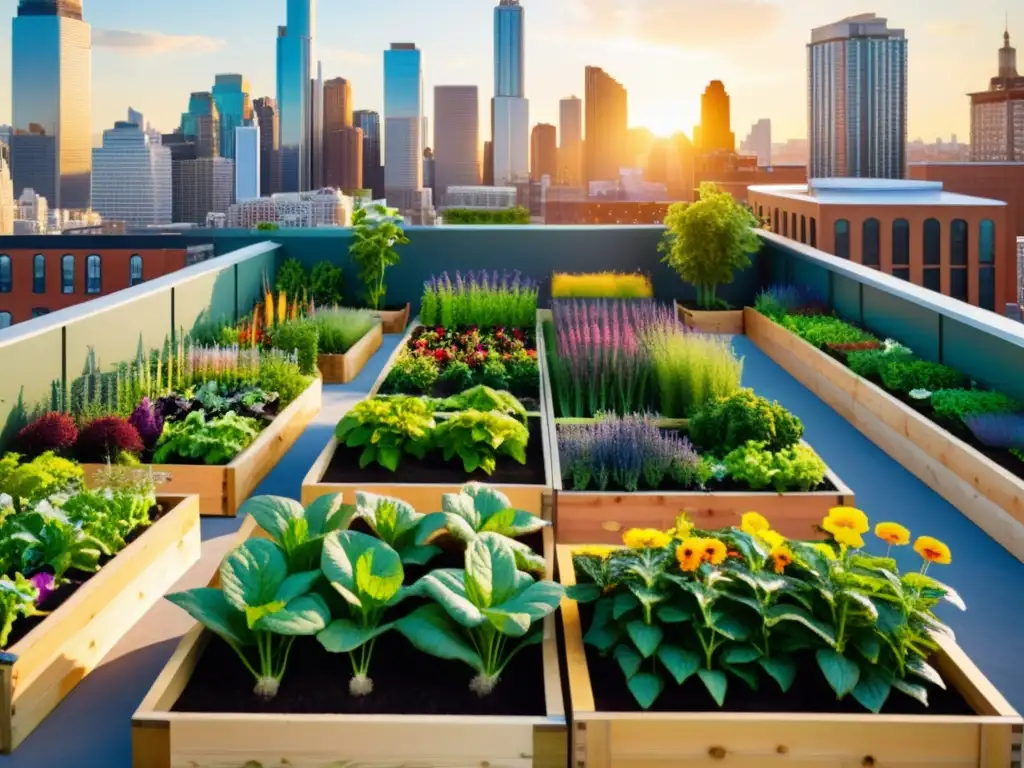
(997, 115)
(131, 177)
(231, 95)
(715, 133)
(201, 124)
(247, 162)
(373, 173)
(509, 58)
(265, 110)
(317, 121)
(510, 111)
(294, 95)
(570, 149)
(759, 141)
(51, 143)
(607, 134)
(456, 137)
(857, 81)
(6, 192)
(339, 137)
(403, 123)
(544, 152)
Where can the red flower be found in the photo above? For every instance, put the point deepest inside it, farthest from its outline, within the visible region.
(518, 334)
(421, 343)
(531, 353)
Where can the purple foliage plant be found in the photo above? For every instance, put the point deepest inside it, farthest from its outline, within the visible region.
(148, 421)
(997, 430)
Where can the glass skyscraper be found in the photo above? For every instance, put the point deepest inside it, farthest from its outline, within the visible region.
(508, 49)
(294, 95)
(51, 143)
(369, 122)
(201, 124)
(403, 124)
(231, 95)
(132, 177)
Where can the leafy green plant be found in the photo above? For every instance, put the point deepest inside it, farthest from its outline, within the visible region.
(325, 284)
(478, 438)
(340, 329)
(691, 369)
(726, 424)
(301, 337)
(43, 537)
(796, 468)
(482, 615)
(17, 599)
(212, 442)
(38, 479)
(279, 373)
(822, 330)
(869, 363)
(458, 374)
(259, 604)
(299, 532)
(904, 376)
(292, 279)
(476, 509)
(481, 398)
(707, 241)
(374, 238)
(397, 524)
(954, 404)
(109, 516)
(386, 428)
(493, 373)
(475, 216)
(412, 374)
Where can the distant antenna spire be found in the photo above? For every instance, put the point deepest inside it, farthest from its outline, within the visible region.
(1006, 30)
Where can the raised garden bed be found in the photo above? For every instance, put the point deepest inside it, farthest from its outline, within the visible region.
(195, 716)
(726, 321)
(44, 665)
(395, 320)
(341, 369)
(987, 493)
(221, 489)
(969, 725)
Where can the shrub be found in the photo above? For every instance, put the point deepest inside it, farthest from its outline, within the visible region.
(458, 374)
(412, 375)
(375, 233)
(796, 468)
(997, 430)
(339, 329)
(279, 373)
(325, 284)
(515, 215)
(494, 374)
(300, 337)
(957, 404)
(523, 374)
(148, 422)
(821, 330)
(903, 376)
(50, 432)
(601, 285)
(691, 369)
(105, 438)
(292, 279)
(726, 424)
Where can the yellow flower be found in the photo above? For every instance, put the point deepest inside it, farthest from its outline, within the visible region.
(772, 538)
(595, 550)
(933, 550)
(645, 538)
(846, 524)
(682, 528)
(825, 550)
(848, 537)
(689, 554)
(782, 556)
(753, 523)
(713, 551)
(893, 534)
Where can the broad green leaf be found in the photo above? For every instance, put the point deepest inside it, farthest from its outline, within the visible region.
(746, 600)
(842, 673)
(526, 559)
(417, 554)
(862, 602)
(389, 518)
(537, 600)
(745, 672)
(603, 637)
(438, 524)
(740, 654)
(646, 637)
(889, 619)
(486, 500)
(730, 626)
(344, 635)
(924, 670)
(872, 689)
(447, 587)
(513, 523)
(680, 663)
(253, 613)
(913, 690)
(251, 574)
(388, 456)
(209, 607)
(773, 583)
(869, 647)
(647, 596)
(328, 513)
(779, 613)
(364, 570)
(432, 631)
(645, 688)
(509, 624)
(274, 514)
(583, 593)
(623, 603)
(379, 573)
(672, 614)
(305, 615)
(297, 585)
(716, 682)
(782, 669)
(629, 660)
(490, 571)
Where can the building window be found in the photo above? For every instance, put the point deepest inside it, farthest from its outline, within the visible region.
(40, 311)
(900, 243)
(5, 319)
(987, 287)
(5, 274)
(870, 248)
(987, 242)
(760, 213)
(135, 270)
(803, 229)
(903, 273)
(958, 284)
(785, 224)
(932, 243)
(775, 222)
(93, 274)
(842, 239)
(67, 274)
(792, 225)
(933, 279)
(814, 232)
(39, 273)
(958, 243)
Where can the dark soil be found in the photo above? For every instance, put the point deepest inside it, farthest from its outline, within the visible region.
(726, 485)
(810, 692)
(344, 467)
(693, 305)
(75, 580)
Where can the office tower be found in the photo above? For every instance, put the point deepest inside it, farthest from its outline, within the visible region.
(202, 124)
(570, 149)
(136, 118)
(247, 162)
(510, 111)
(606, 141)
(403, 122)
(316, 138)
(132, 177)
(373, 172)
(6, 192)
(715, 132)
(182, 148)
(997, 115)
(544, 152)
(857, 81)
(337, 104)
(205, 185)
(488, 171)
(456, 137)
(509, 59)
(51, 143)
(265, 110)
(759, 141)
(343, 153)
(294, 96)
(231, 95)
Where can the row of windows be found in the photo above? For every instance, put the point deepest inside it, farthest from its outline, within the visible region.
(93, 273)
(5, 317)
(959, 242)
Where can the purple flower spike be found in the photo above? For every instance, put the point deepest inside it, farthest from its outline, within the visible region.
(43, 582)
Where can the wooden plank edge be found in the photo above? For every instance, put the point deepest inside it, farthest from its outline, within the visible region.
(553, 701)
(382, 376)
(581, 694)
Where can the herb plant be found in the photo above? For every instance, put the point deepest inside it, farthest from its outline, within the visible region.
(43, 537)
(374, 238)
(339, 329)
(482, 299)
(904, 376)
(822, 330)
(386, 428)
(325, 284)
(30, 482)
(301, 337)
(796, 468)
(292, 279)
(729, 423)
(957, 404)
(212, 442)
(397, 524)
(478, 438)
(412, 374)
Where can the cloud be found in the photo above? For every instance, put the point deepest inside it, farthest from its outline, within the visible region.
(343, 56)
(144, 43)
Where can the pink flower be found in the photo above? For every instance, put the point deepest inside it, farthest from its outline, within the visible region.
(43, 582)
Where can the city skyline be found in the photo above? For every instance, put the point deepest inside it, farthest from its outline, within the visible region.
(626, 38)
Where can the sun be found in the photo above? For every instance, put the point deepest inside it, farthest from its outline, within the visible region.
(663, 119)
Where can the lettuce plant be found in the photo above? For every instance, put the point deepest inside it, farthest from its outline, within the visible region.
(385, 428)
(478, 438)
(44, 537)
(481, 398)
(108, 515)
(213, 442)
(483, 615)
(17, 599)
(397, 524)
(35, 480)
(259, 605)
(368, 574)
(299, 532)
(478, 508)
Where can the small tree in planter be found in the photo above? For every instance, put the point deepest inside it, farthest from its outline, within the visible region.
(707, 241)
(374, 239)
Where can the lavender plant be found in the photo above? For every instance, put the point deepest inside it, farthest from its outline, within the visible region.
(782, 298)
(997, 430)
(483, 299)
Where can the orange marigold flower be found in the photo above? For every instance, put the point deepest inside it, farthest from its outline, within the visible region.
(713, 551)
(781, 557)
(933, 550)
(689, 554)
(893, 534)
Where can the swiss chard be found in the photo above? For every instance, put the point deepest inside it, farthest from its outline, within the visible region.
(397, 524)
(479, 437)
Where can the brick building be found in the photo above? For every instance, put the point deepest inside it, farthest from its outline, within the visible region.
(998, 181)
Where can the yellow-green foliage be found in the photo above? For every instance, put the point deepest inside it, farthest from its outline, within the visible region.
(601, 285)
(38, 479)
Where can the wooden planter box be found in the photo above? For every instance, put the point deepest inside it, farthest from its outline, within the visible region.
(986, 493)
(395, 320)
(165, 739)
(222, 489)
(756, 740)
(341, 369)
(726, 321)
(38, 671)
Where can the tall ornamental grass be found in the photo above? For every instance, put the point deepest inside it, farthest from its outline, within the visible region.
(601, 285)
(690, 370)
(340, 329)
(482, 299)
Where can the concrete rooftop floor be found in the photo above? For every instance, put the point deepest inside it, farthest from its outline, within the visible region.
(92, 727)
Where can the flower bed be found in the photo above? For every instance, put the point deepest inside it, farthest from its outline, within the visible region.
(389, 703)
(80, 567)
(689, 647)
(926, 431)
